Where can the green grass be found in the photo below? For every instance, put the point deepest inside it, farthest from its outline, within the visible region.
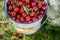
(46, 32)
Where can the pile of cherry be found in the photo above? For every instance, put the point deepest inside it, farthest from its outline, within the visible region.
(26, 10)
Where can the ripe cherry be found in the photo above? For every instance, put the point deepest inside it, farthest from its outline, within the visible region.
(20, 4)
(8, 3)
(24, 15)
(32, 14)
(37, 12)
(31, 9)
(17, 20)
(18, 16)
(13, 14)
(44, 3)
(35, 8)
(39, 5)
(28, 6)
(22, 19)
(28, 18)
(10, 7)
(39, 16)
(15, 33)
(20, 35)
(21, 10)
(33, 4)
(12, 2)
(34, 19)
(16, 9)
(41, 12)
(27, 1)
(43, 8)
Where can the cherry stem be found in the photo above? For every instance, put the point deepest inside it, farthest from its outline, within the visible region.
(16, 2)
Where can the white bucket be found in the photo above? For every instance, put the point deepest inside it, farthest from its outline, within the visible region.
(28, 28)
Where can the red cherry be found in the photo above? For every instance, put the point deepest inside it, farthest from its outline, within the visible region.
(18, 16)
(12, 2)
(41, 12)
(16, 10)
(39, 5)
(24, 15)
(15, 33)
(44, 3)
(20, 35)
(24, 3)
(43, 8)
(22, 19)
(37, 12)
(31, 9)
(21, 10)
(39, 16)
(35, 8)
(28, 18)
(20, 4)
(32, 14)
(34, 19)
(27, 1)
(10, 7)
(33, 4)
(28, 6)
(17, 20)
(8, 3)
(13, 14)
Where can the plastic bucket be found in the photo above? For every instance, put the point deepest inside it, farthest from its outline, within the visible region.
(26, 28)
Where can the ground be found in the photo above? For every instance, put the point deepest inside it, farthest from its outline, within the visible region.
(46, 32)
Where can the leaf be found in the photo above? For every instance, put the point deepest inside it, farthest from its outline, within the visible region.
(49, 2)
(26, 9)
(24, 38)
